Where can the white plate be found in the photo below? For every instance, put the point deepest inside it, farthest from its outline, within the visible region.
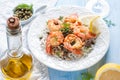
(39, 24)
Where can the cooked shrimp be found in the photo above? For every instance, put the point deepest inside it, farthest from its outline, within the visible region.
(73, 21)
(78, 23)
(73, 43)
(74, 25)
(72, 18)
(90, 35)
(81, 31)
(54, 39)
(54, 24)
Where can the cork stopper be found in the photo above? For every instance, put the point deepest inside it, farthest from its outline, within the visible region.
(13, 23)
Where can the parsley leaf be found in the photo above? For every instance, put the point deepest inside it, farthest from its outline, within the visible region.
(109, 22)
(58, 53)
(24, 6)
(66, 29)
(60, 18)
(67, 25)
(87, 76)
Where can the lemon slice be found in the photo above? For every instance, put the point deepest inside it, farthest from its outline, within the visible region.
(93, 27)
(109, 71)
(91, 22)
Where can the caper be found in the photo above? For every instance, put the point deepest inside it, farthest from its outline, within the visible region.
(29, 11)
(30, 14)
(19, 11)
(22, 9)
(25, 11)
(24, 14)
(25, 17)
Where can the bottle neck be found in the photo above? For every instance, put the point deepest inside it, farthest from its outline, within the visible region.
(14, 40)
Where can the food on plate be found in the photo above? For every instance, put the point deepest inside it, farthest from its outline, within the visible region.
(54, 39)
(73, 43)
(54, 25)
(108, 71)
(68, 38)
(23, 11)
(90, 21)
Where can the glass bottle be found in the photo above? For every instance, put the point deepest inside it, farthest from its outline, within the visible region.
(16, 64)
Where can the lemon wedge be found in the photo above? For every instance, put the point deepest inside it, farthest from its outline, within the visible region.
(108, 71)
(93, 27)
(91, 22)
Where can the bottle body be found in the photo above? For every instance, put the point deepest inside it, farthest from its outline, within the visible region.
(19, 68)
(16, 64)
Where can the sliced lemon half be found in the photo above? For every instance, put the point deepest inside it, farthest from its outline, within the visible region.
(108, 71)
(91, 22)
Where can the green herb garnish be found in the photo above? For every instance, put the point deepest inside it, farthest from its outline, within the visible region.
(66, 25)
(66, 29)
(60, 18)
(109, 22)
(24, 6)
(58, 53)
(47, 22)
(87, 76)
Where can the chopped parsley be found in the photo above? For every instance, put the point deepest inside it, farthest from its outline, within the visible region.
(67, 25)
(47, 22)
(60, 18)
(87, 76)
(66, 29)
(58, 53)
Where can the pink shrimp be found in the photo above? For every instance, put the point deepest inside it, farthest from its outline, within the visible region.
(81, 31)
(73, 43)
(54, 24)
(71, 19)
(90, 35)
(54, 39)
(74, 25)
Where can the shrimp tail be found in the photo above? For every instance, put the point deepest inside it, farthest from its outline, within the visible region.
(77, 51)
(48, 49)
(90, 35)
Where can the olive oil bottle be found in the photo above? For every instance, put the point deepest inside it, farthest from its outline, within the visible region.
(16, 64)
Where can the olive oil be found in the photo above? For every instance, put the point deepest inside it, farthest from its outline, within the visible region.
(17, 68)
(16, 64)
